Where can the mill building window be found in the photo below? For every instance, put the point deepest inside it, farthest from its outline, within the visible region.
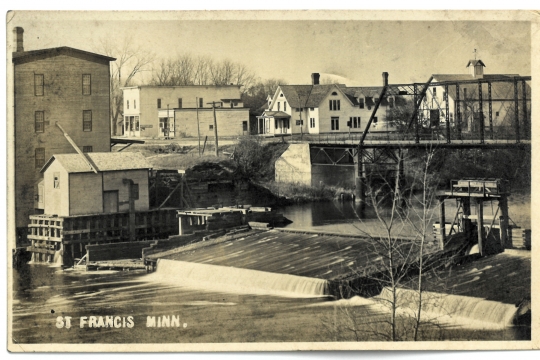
(39, 121)
(87, 120)
(38, 85)
(39, 156)
(56, 183)
(86, 84)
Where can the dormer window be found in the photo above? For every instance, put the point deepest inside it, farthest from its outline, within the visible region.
(361, 102)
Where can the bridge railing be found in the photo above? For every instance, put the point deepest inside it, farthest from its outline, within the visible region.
(436, 135)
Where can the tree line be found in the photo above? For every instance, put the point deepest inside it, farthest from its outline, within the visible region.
(134, 63)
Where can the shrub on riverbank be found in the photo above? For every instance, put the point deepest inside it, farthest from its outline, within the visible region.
(255, 159)
(300, 193)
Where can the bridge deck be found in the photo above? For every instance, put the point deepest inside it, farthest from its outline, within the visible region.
(455, 144)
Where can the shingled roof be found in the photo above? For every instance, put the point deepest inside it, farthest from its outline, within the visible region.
(111, 161)
(311, 96)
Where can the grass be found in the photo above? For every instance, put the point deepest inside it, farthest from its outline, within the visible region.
(182, 157)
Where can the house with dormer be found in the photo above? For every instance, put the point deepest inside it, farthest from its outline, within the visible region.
(322, 108)
(502, 96)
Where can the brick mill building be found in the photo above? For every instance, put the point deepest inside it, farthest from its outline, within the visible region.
(174, 111)
(60, 85)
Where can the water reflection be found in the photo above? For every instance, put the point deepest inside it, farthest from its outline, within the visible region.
(347, 218)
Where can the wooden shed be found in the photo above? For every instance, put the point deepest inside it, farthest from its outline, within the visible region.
(94, 183)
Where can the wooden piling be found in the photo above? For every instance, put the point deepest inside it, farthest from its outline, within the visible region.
(442, 222)
(503, 206)
(480, 225)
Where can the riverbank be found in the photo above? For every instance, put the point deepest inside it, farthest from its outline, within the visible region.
(296, 193)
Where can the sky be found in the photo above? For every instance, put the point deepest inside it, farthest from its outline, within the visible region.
(358, 51)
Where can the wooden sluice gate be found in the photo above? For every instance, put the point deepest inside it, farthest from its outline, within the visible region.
(209, 219)
(62, 239)
(486, 234)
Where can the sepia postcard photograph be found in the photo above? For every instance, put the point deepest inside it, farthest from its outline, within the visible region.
(195, 181)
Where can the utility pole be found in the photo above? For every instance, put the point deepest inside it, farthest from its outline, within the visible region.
(167, 124)
(132, 199)
(215, 127)
(198, 128)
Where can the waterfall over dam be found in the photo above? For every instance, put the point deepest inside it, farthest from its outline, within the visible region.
(454, 309)
(238, 280)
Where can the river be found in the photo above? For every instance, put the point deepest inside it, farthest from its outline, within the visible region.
(42, 294)
(344, 217)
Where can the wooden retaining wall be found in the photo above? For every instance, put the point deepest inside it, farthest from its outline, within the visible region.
(69, 235)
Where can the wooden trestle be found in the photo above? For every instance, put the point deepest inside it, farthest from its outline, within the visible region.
(63, 238)
(475, 192)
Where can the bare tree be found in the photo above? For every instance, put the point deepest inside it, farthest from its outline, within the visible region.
(400, 255)
(130, 61)
(188, 70)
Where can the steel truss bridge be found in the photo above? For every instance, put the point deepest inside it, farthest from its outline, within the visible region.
(383, 152)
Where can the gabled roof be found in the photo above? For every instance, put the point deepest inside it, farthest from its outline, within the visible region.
(296, 95)
(475, 62)
(311, 96)
(111, 161)
(26, 56)
(499, 90)
(459, 77)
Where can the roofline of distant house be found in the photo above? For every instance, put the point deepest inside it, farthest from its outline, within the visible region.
(338, 85)
(176, 86)
(207, 108)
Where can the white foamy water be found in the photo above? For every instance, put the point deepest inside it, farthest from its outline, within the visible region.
(466, 311)
(229, 279)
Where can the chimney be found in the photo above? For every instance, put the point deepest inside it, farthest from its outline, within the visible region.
(315, 78)
(18, 38)
(385, 78)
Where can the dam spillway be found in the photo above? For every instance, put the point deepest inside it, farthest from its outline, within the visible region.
(323, 256)
(331, 258)
(232, 279)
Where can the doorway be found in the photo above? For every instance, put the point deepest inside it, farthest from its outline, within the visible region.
(110, 201)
